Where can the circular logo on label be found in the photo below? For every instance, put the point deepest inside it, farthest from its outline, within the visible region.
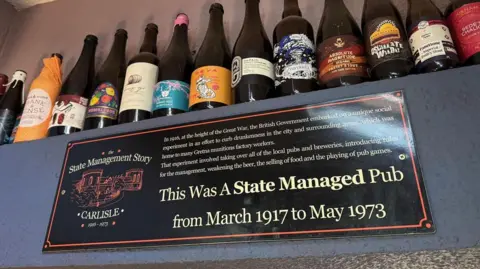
(236, 71)
(37, 108)
(423, 25)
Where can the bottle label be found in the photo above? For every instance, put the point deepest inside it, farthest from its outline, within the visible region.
(341, 56)
(104, 102)
(294, 59)
(465, 25)
(69, 110)
(15, 129)
(385, 41)
(139, 85)
(7, 122)
(250, 66)
(211, 84)
(171, 94)
(37, 108)
(431, 40)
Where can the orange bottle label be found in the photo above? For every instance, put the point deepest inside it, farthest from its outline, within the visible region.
(211, 84)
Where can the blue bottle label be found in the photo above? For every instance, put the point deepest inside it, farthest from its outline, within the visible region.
(171, 94)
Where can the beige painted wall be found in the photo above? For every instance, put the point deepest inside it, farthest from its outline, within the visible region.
(61, 26)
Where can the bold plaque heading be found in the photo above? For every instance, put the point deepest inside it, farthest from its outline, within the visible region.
(345, 168)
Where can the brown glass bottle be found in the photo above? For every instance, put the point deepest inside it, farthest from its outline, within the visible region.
(140, 79)
(253, 76)
(294, 52)
(386, 44)
(173, 90)
(463, 19)
(103, 107)
(69, 111)
(3, 82)
(11, 105)
(210, 85)
(430, 40)
(340, 53)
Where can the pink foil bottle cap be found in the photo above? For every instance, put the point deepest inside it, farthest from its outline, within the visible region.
(182, 19)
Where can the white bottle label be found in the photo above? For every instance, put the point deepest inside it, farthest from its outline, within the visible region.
(37, 108)
(251, 66)
(69, 110)
(139, 85)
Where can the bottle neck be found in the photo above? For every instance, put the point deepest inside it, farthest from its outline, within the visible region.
(87, 56)
(180, 38)
(150, 41)
(252, 13)
(291, 8)
(215, 26)
(118, 49)
(339, 4)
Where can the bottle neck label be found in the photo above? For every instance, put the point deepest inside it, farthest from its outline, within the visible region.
(385, 41)
(465, 25)
(294, 58)
(431, 41)
(171, 94)
(69, 110)
(250, 67)
(7, 123)
(105, 102)
(37, 108)
(139, 85)
(341, 56)
(211, 84)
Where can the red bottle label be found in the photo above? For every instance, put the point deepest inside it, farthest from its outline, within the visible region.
(341, 56)
(465, 25)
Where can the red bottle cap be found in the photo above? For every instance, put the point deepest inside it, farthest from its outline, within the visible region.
(3, 82)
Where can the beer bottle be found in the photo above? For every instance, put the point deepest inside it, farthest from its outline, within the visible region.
(41, 98)
(11, 105)
(253, 76)
(294, 52)
(68, 114)
(142, 74)
(463, 20)
(172, 92)
(210, 86)
(340, 53)
(430, 40)
(103, 107)
(386, 43)
(3, 82)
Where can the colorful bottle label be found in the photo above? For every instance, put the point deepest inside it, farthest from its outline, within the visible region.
(465, 25)
(15, 129)
(171, 94)
(69, 110)
(385, 41)
(294, 58)
(250, 66)
(341, 56)
(139, 85)
(211, 84)
(104, 102)
(37, 108)
(7, 123)
(430, 41)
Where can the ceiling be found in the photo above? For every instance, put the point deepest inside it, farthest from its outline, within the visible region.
(21, 4)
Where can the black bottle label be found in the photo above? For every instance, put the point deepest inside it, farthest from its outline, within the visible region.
(250, 66)
(104, 102)
(341, 56)
(69, 110)
(385, 41)
(7, 122)
(294, 59)
(431, 41)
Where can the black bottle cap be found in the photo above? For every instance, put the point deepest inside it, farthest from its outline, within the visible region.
(121, 32)
(217, 6)
(152, 26)
(59, 56)
(91, 38)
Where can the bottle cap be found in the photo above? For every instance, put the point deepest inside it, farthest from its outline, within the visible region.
(58, 55)
(152, 26)
(182, 18)
(121, 32)
(3, 83)
(216, 6)
(91, 38)
(19, 75)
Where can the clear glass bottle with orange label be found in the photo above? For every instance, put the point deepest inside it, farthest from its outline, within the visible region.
(211, 78)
